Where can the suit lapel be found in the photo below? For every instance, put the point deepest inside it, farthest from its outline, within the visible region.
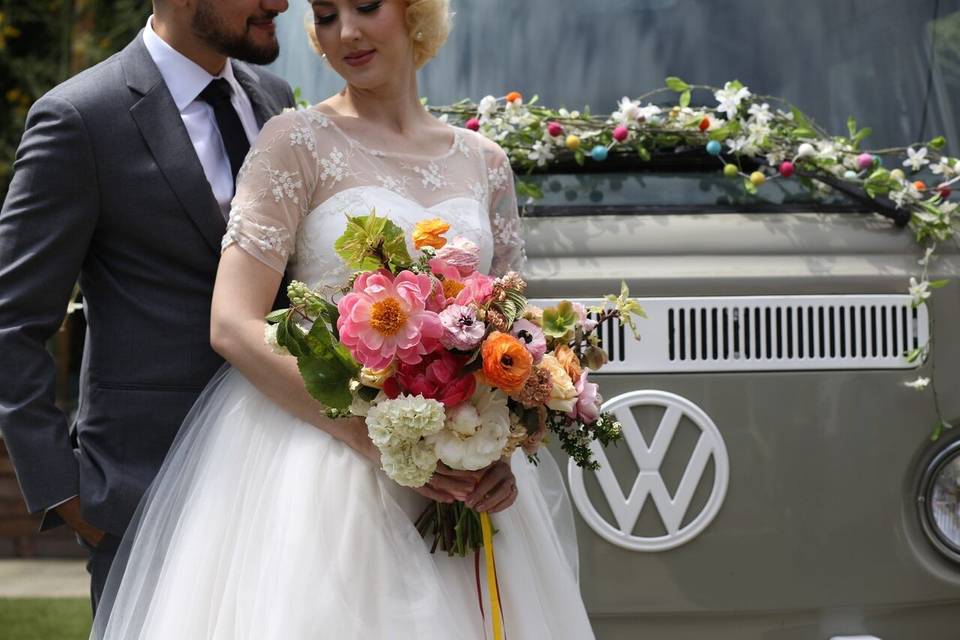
(264, 106)
(160, 124)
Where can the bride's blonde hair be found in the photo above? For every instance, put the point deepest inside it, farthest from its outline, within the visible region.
(428, 23)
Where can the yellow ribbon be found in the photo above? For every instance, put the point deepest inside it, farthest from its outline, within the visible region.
(491, 576)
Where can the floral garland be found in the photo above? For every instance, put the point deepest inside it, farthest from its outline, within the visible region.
(752, 143)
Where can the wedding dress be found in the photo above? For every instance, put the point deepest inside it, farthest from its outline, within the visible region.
(260, 526)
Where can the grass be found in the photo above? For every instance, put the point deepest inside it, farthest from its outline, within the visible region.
(44, 619)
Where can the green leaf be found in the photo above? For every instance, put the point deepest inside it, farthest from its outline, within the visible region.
(685, 99)
(676, 84)
(559, 320)
(277, 316)
(327, 368)
(528, 189)
(939, 284)
(913, 355)
(852, 126)
(331, 314)
(938, 142)
(372, 241)
(862, 135)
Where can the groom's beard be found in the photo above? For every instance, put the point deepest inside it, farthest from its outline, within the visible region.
(209, 27)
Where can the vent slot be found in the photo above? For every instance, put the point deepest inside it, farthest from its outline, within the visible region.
(765, 333)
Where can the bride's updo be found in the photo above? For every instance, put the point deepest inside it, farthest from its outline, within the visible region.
(428, 23)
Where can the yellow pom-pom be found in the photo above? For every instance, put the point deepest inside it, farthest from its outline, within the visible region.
(757, 178)
(573, 142)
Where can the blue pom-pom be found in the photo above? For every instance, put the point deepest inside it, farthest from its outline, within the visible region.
(713, 148)
(599, 153)
(850, 175)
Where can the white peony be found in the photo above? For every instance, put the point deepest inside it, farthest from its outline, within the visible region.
(476, 431)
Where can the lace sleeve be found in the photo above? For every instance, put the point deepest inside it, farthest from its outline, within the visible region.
(274, 189)
(508, 248)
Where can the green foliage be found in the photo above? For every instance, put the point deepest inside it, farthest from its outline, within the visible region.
(44, 42)
(371, 242)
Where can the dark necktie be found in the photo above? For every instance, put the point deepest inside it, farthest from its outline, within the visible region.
(217, 95)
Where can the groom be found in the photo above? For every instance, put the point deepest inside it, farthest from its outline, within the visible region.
(123, 180)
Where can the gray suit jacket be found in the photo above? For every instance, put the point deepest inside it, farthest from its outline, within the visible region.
(107, 187)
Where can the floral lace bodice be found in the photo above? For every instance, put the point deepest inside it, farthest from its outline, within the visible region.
(304, 175)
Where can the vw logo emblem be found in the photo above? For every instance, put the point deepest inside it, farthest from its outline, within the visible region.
(649, 483)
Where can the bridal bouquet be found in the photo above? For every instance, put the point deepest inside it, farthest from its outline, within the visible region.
(446, 363)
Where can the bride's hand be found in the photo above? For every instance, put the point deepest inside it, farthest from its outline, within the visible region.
(496, 490)
(454, 482)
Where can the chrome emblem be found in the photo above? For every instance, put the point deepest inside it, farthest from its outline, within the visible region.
(649, 483)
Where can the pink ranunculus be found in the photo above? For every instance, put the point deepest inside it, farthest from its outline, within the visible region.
(384, 318)
(440, 376)
(462, 253)
(531, 336)
(587, 409)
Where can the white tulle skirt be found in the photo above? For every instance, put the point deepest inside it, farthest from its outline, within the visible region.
(261, 526)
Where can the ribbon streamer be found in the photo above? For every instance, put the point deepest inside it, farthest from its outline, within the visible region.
(495, 612)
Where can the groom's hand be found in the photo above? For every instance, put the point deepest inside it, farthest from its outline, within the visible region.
(70, 512)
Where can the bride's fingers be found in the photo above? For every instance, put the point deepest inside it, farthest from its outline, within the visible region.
(506, 502)
(457, 488)
(493, 477)
(472, 476)
(494, 498)
(440, 496)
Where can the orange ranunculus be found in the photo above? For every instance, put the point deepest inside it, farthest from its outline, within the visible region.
(569, 360)
(506, 362)
(429, 233)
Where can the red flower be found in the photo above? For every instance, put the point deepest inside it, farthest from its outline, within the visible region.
(439, 376)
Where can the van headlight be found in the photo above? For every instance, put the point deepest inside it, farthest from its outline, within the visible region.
(940, 501)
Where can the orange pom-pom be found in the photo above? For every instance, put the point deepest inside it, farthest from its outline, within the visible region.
(920, 185)
(513, 96)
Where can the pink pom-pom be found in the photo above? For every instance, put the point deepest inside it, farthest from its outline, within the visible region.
(473, 124)
(864, 160)
(944, 192)
(554, 129)
(786, 169)
(620, 133)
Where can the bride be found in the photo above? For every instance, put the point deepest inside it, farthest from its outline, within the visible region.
(270, 521)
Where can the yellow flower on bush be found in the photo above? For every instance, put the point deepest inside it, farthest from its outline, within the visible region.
(429, 233)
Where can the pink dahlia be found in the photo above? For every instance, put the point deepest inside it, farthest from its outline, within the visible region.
(385, 318)
(440, 376)
(476, 287)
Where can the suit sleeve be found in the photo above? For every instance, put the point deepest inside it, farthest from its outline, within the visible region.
(46, 225)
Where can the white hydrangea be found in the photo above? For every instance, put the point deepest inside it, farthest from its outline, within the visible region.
(404, 418)
(476, 431)
(409, 463)
(398, 428)
(270, 337)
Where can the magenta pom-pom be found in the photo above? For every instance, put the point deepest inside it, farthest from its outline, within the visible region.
(786, 169)
(473, 124)
(620, 133)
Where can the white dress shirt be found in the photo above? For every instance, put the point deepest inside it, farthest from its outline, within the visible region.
(186, 79)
